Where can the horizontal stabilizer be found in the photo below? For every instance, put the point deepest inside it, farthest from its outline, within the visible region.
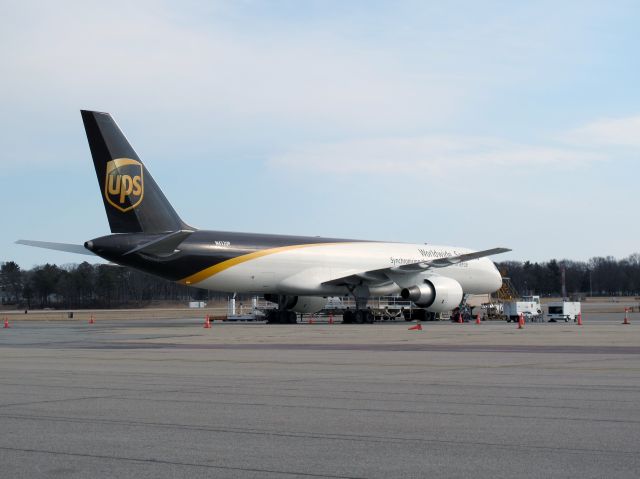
(66, 247)
(164, 245)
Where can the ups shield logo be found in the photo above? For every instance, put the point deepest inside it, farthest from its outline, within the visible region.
(124, 184)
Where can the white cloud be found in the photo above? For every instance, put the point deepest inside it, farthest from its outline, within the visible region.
(137, 56)
(608, 132)
(432, 155)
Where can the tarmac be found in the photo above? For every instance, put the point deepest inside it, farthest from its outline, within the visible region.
(159, 399)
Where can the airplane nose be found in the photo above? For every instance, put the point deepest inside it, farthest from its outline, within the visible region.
(497, 279)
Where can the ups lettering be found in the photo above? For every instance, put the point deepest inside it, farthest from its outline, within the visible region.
(124, 185)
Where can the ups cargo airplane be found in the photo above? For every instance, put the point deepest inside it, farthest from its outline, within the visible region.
(296, 272)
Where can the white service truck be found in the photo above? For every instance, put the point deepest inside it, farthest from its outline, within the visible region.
(528, 306)
(563, 310)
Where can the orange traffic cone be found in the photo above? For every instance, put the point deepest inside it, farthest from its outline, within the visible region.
(626, 317)
(521, 321)
(459, 318)
(331, 319)
(207, 322)
(6, 323)
(310, 319)
(91, 321)
(478, 319)
(417, 327)
(579, 319)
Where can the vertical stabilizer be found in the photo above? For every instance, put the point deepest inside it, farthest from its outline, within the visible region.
(131, 197)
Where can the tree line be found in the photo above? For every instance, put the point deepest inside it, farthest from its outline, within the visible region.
(600, 276)
(88, 285)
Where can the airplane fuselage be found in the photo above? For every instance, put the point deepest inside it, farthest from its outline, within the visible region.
(296, 265)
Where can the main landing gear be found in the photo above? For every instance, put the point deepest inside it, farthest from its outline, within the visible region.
(283, 314)
(362, 314)
(359, 316)
(279, 316)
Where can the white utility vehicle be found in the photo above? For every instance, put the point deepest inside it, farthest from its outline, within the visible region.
(563, 310)
(528, 306)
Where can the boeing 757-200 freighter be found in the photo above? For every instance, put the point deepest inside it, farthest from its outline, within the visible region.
(296, 272)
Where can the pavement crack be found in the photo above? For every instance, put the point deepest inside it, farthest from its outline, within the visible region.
(174, 463)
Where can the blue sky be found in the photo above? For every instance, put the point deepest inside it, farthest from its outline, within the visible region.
(477, 124)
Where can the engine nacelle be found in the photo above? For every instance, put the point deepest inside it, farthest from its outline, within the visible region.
(283, 301)
(309, 304)
(299, 304)
(437, 294)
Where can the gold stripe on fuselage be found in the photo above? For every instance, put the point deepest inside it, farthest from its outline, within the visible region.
(215, 269)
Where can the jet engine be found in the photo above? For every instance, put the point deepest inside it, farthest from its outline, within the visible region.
(309, 304)
(299, 304)
(437, 294)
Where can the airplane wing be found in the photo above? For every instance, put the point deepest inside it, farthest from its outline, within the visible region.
(379, 275)
(66, 247)
(447, 261)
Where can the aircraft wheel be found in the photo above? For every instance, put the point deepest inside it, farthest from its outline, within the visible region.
(292, 317)
(272, 316)
(360, 316)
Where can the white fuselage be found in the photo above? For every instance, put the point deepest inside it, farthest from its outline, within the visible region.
(303, 270)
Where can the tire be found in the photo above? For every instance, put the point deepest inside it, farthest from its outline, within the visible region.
(370, 317)
(271, 316)
(360, 316)
(347, 317)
